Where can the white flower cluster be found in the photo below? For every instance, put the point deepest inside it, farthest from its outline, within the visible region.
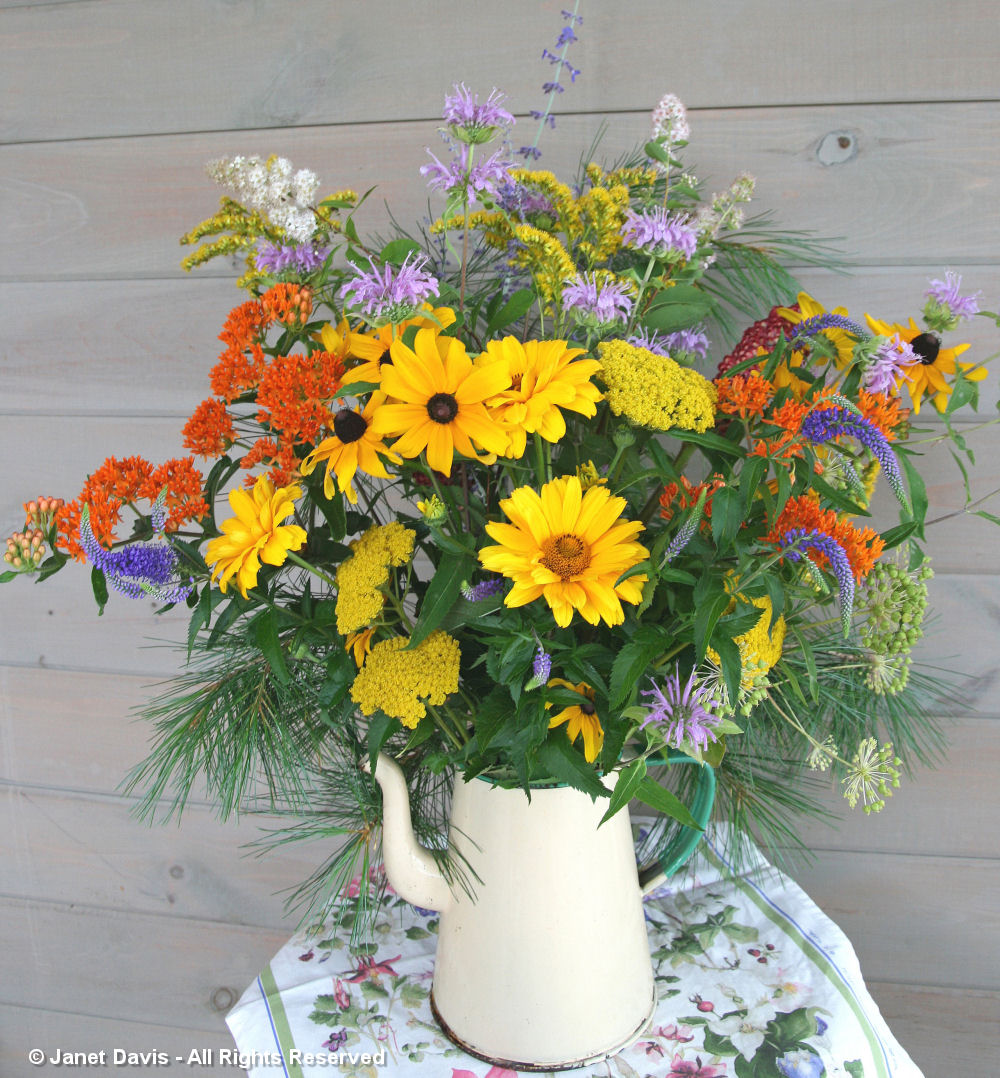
(724, 211)
(273, 189)
(670, 120)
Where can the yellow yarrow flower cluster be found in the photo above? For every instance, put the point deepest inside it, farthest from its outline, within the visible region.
(359, 578)
(399, 682)
(654, 391)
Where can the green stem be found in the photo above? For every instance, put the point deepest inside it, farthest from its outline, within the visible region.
(303, 564)
(642, 288)
(552, 93)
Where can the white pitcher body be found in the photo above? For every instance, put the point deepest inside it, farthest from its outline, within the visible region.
(547, 963)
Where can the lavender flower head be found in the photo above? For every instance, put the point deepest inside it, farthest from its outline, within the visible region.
(476, 593)
(598, 305)
(472, 122)
(139, 568)
(391, 294)
(655, 232)
(681, 713)
(670, 120)
(798, 540)
(809, 327)
(945, 306)
(824, 424)
(886, 364)
(683, 344)
(541, 669)
(295, 258)
(488, 176)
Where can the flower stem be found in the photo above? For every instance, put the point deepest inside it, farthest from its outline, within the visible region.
(303, 564)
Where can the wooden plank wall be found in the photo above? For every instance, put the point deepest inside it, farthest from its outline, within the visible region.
(877, 123)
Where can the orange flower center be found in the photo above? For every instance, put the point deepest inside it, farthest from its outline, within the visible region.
(565, 555)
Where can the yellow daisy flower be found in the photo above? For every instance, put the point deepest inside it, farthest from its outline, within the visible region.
(438, 401)
(353, 446)
(546, 376)
(373, 348)
(255, 534)
(580, 719)
(568, 547)
(809, 308)
(336, 339)
(928, 376)
(361, 644)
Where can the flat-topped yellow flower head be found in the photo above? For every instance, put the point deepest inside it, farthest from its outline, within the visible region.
(438, 401)
(255, 534)
(568, 546)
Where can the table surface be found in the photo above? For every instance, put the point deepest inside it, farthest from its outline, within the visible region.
(753, 981)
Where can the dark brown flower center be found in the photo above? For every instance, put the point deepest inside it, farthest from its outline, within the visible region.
(349, 426)
(588, 708)
(385, 358)
(927, 346)
(442, 407)
(566, 555)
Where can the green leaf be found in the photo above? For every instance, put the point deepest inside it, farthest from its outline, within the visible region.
(750, 478)
(708, 440)
(677, 308)
(706, 615)
(566, 764)
(624, 791)
(380, 728)
(442, 594)
(512, 311)
(841, 501)
(894, 536)
(397, 251)
(266, 638)
(8, 575)
(727, 515)
(987, 516)
(653, 794)
(200, 617)
(918, 492)
(630, 664)
(100, 588)
(656, 152)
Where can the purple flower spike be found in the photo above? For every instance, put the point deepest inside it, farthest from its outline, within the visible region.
(475, 593)
(656, 232)
(135, 570)
(796, 541)
(600, 304)
(391, 294)
(680, 712)
(541, 669)
(824, 424)
(809, 327)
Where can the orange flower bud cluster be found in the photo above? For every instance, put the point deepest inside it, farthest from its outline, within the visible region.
(25, 550)
(290, 304)
(42, 511)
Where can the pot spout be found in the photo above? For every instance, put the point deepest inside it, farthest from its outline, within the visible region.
(411, 869)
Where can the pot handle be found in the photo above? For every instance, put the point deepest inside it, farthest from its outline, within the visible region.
(685, 839)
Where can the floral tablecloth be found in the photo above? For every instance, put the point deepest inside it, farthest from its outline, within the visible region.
(754, 981)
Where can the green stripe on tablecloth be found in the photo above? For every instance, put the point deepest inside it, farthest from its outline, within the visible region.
(814, 955)
(279, 1020)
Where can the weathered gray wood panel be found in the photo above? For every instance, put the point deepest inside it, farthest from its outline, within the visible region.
(314, 62)
(914, 192)
(24, 1028)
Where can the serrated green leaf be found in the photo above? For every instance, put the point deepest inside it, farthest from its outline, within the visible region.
(442, 594)
(566, 764)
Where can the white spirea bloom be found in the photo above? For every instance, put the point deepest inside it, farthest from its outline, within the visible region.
(670, 120)
(271, 188)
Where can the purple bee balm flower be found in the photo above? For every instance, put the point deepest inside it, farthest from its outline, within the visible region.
(299, 258)
(656, 232)
(657, 343)
(473, 122)
(797, 540)
(391, 294)
(487, 176)
(137, 569)
(824, 424)
(946, 294)
(680, 712)
(692, 341)
(476, 593)
(600, 304)
(887, 364)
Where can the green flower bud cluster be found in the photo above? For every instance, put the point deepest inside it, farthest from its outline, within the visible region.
(887, 674)
(896, 601)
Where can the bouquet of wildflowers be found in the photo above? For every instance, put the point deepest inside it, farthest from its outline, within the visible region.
(477, 498)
